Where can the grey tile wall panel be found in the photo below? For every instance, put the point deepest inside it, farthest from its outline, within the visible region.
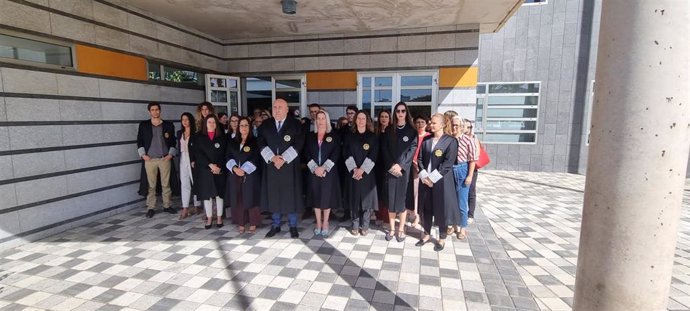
(33, 164)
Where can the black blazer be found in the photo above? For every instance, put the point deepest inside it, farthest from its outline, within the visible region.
(145, 134)
(290, 135)
(398, 146)
(330, 148)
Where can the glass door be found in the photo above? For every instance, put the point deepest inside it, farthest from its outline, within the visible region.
(224, 93)
(293, 90)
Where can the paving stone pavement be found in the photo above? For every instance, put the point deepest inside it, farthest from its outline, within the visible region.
(129, 262)
(520, 255)
(537, 218)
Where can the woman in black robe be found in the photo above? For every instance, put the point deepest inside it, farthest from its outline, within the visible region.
(437, 196)
(383, 122)
(210, 148)
(322, 151)
(244, 179)
(398, 146)
(360, 150)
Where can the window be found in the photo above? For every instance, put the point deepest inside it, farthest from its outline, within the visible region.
(531, 2)
(162, 72)
(262, 91)
(381, 91)
(507, 112)
(30, 51)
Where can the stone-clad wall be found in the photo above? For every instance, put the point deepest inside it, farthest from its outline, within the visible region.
(114, 26)
(547, 43)
(68, 150)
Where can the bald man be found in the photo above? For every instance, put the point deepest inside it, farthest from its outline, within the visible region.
(280, 140)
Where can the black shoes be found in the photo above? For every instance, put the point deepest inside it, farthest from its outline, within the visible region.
(422, 242)
(389, 236)
(208, 226)
(170, 210)
(219, 225)
(293, 232)
(272, 232)
(150, 213)
(439, 246)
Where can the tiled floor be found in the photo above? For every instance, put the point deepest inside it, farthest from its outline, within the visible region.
(537, 218)
(520, 255)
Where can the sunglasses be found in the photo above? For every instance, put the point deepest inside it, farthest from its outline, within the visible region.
(401, 110)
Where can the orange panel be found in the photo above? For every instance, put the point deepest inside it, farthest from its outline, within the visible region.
(108, 63)
(453, 77)
(332, 80)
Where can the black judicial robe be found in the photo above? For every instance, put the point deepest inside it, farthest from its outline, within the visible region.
(398, 147)
(281, 190)
(207, 151)
(442, 196)
(361, 193)
(324, 192)
(248, 187)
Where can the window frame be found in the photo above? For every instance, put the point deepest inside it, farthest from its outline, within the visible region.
(22, 35)
(396, 89)
(485, 108)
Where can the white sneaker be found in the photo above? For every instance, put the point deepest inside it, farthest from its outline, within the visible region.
(470, 220)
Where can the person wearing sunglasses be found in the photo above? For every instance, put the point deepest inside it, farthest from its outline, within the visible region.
(398, 146)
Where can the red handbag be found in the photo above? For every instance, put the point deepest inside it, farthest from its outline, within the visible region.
(483, 158)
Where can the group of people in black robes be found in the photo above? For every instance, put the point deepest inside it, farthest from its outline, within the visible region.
(255, 170)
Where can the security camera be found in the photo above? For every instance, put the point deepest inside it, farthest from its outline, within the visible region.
(289, 6)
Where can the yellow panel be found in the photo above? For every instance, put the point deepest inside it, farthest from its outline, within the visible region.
(331, 80)
(453, 77)
(108, 63)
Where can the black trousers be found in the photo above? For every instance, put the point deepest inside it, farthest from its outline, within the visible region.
(427, 220)
(472, 198)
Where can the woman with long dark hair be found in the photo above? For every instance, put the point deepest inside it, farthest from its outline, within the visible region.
(188, 190)
(233, 123)
(322, 152)
(360, 150)
(210, 147)
(244, 181)
(398, 146)
(382, 124)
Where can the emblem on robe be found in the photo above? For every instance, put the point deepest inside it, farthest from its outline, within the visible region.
(166, 135)
(217, 145)
(287, 138)
(406, 139)
(438, 153)
(329, 139)
(365, 146)
(246, 148)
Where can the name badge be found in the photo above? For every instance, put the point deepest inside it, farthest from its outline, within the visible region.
(287, 138)
(217, 145)
(329, 139)
(246, 149)
(406, 139)
(365, 146)
(438, 153)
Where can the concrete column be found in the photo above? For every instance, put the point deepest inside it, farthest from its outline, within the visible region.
(638, 154)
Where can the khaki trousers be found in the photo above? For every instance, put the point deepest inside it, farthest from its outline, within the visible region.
(154, 166)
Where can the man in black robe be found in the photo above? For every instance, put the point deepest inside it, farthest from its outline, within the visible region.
(156, 146)
(280, 141)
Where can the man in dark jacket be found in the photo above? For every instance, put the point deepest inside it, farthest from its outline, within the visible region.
(156, 143)
(280, 141)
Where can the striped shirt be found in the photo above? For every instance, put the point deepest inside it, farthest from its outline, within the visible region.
(467, 149)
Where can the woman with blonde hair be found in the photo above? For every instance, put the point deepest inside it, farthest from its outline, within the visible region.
(322, 152)
(437, 197)
(463, 171)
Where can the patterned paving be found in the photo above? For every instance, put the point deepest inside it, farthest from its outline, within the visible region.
(128, 262)
(537, 217)
(520, 255)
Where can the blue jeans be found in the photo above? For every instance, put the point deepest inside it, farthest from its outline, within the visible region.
(292, 219)
(460, 173)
